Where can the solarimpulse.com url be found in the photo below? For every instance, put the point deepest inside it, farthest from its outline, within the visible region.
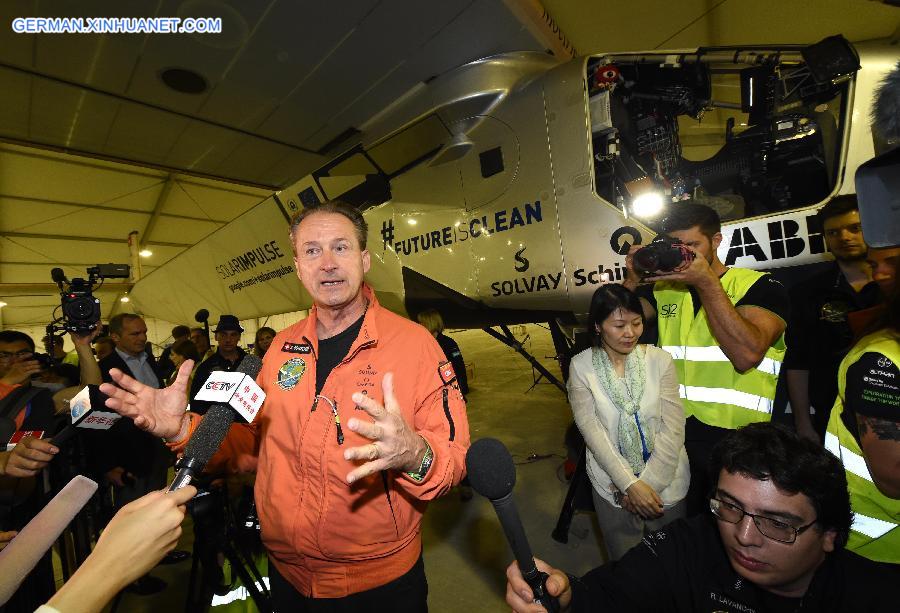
(117, 25)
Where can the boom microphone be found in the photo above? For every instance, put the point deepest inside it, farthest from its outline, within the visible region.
(24, 552)
(492, 474)
(230, 391)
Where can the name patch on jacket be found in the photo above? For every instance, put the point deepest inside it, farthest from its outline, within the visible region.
(445, 370)
(297, 348)
(290, 373)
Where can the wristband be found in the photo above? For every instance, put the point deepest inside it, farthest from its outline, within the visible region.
(419, 474)
(190, 430)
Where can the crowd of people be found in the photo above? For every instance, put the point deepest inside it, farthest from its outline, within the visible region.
(365, 422)
(697, 494)
(674, 399)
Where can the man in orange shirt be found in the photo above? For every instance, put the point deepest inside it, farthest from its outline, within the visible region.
(340, 506)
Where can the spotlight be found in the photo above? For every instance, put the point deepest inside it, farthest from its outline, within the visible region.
(125, 299)
(646, 200)
(145, 253)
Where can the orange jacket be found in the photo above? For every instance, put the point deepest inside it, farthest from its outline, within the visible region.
(328, 538)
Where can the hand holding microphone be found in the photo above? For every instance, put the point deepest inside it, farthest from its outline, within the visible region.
(29, 457)
(493, 475)
(520, 597)
(136, 539)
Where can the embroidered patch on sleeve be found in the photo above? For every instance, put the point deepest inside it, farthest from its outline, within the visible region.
(445, 370)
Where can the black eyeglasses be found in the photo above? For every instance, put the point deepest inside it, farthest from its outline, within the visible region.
(774, 529)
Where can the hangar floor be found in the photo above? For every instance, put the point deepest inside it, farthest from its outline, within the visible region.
(466, 553)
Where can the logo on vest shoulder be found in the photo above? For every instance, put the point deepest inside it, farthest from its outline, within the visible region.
(297, 348)
(290, 373)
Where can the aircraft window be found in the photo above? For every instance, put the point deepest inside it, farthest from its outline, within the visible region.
(491, 162)
(746, 140)
(410, 146)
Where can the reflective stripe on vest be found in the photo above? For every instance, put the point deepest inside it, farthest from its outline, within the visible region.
(726, 396)
(853, 462)
(715, 354)
(870, 526)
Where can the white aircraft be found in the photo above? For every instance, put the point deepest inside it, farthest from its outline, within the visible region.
(508, 189)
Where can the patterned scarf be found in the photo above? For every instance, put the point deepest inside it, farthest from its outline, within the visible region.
(626, 395)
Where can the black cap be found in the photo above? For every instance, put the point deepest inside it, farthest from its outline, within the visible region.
(228, 322)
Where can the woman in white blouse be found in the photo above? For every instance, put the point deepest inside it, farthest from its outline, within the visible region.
(624, 396)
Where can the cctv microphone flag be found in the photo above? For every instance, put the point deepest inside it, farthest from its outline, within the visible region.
(235, 389)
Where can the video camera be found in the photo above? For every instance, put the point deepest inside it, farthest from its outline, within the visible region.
(662, 254)
(80, 309)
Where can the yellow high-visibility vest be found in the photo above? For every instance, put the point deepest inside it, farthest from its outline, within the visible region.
(875, 533)
(713, 391)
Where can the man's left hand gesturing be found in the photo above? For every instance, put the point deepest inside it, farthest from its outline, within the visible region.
(394, 444)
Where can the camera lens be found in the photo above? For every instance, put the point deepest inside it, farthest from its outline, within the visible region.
(670, 259)
(646, 260)
(80, 308)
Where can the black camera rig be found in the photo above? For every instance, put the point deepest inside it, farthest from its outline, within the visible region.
(80, 309)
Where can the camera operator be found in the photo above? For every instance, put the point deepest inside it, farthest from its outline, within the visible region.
(724, 328)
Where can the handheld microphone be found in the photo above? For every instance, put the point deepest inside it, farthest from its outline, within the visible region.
(492, 474)
(231, 392)
(88, 411)
(24, 552)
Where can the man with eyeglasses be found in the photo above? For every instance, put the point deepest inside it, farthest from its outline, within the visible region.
(773, 541)
(27, 407)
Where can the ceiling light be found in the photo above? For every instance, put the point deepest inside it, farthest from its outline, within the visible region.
(2, 304)
(125, 299)
(411, 222)
(145, 253)
(184, 81)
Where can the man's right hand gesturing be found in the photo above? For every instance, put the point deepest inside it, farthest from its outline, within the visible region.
(160, 412)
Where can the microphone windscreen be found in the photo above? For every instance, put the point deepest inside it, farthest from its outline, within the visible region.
(886, 107)
(250, 365)
(209, 435)
(57, 275)
(24, 552)
(491, 470)
(202, 315)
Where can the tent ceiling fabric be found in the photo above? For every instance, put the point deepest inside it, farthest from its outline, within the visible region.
(75, 212)
(94, 145)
